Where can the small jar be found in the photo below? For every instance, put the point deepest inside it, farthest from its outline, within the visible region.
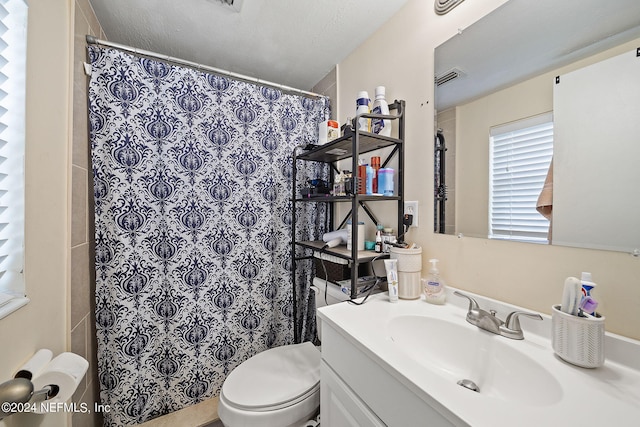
(387, 237)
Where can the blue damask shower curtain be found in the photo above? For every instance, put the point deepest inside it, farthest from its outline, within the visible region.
(192, 175)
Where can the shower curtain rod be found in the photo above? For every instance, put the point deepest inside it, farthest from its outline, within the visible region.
(93, 40)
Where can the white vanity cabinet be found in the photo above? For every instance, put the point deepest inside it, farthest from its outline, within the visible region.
(340, 406)
(358, 391)
(384, 365)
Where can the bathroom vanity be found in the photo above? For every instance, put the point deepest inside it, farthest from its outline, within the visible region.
(387, 364)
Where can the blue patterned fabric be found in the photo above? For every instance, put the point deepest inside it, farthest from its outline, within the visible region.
(192, 176)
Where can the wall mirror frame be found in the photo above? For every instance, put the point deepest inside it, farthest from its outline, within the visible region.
(490, 73)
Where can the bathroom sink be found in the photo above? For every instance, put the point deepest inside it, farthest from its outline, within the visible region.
(465, 354)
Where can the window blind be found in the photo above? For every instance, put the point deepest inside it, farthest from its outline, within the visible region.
(521, 152)
(13, 47)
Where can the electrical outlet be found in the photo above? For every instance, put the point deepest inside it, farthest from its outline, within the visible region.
(411, 208)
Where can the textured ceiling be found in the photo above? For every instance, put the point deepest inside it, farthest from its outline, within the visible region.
(290, 42)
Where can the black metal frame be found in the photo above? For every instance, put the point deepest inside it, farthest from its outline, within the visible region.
(440, 187)
(349, 146)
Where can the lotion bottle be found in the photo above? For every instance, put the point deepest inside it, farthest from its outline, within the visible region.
(362, 107)
(380, 106)
(433, 285)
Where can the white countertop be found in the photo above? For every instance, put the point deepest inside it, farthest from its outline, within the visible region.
(604, 396)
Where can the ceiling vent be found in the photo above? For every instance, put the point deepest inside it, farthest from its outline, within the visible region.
(443, 7)
(449, 75)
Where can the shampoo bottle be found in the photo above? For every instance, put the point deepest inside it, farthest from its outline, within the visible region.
(380, 106)
(433, 285)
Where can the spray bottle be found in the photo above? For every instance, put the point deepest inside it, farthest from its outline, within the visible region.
(433, 285)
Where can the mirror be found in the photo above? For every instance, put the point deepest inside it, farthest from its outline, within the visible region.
(502, 69)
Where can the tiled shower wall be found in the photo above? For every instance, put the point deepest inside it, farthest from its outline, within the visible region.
(83, 336)
(328, 87)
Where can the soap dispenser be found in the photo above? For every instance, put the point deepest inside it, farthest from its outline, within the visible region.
(433, 285)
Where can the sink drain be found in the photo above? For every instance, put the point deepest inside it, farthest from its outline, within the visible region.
(469, 384)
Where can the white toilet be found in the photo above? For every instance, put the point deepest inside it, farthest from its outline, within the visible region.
(279, 387)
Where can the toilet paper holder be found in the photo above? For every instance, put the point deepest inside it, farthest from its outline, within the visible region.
(18, 392)
(42, 379)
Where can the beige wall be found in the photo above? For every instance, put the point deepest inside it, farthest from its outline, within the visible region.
(44, 322)
(400, 57)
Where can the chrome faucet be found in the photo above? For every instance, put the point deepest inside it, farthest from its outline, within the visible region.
(487, 320)
(511, 328)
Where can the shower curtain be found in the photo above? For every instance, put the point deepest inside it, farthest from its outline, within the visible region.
(192, 175)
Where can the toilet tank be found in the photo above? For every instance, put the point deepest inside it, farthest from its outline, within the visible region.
(334, 296)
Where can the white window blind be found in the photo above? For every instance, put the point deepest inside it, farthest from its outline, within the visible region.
(13, 48)
(521, 152)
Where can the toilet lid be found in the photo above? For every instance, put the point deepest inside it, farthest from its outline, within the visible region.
(274, 378)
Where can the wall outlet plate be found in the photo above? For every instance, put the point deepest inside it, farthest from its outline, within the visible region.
(411, 208)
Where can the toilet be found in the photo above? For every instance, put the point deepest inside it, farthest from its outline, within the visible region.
(279, 387)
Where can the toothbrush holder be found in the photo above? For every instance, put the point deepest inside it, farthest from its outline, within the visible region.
(578, 340)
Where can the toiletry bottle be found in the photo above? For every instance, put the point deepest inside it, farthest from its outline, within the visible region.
(340, 185)
(362, 107)
(362, 177)
(587, 287)
(433, 285)
(336, 185)
(378, 247)
(385, 181)
(391, 265)
(375, 164)
(380, 106)
(369, 183)
(587, 284)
